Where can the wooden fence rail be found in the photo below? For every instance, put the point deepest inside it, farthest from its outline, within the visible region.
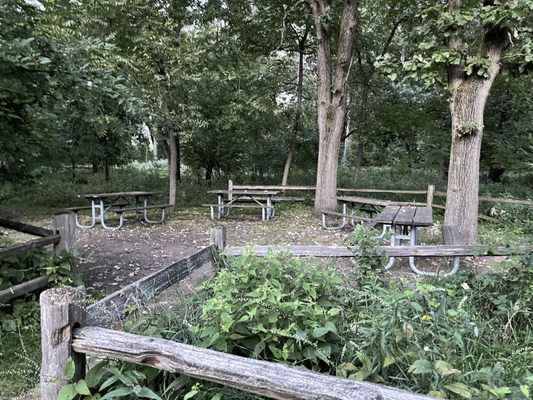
(63, 239)
(62, 310)
(392, 251)
(428, 192)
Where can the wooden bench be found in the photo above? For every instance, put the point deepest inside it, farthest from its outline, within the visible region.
(145, 209)
(221, 207)
(354, 219)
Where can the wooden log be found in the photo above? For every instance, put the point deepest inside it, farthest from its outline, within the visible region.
(34, 244)
(275, 380)
(9, 294)
(65, 225)
(25, 228)
(220, 237)
(62, 309)
(393, 251)
(111, 308)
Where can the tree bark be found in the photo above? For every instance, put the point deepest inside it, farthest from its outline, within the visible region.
(173, 166)
(299, 96)
(467, 105)
(332, 95)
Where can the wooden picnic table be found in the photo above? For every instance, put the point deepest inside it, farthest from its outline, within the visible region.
(404, 222)
(243, 199)
(118, 203)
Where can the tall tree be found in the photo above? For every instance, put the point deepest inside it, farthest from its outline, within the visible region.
(333, 71)
(472, 41)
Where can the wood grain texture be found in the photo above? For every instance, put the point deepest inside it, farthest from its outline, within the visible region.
(277, 381)
(393, 251)
(9, 251)
(61, 310)
(111, 308)
(15, 291)
(25, 228)
(65, 225)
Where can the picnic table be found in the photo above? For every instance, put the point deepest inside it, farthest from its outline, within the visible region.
(404, 222)
(228, 199)
(118, 203)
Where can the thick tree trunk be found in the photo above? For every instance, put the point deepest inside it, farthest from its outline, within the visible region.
(173, 166)
(332, 95)
(469, 96)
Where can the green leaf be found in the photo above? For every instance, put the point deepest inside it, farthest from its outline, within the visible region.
(190, 394)
(421, 367)
(444, 369)
(525, 390)
(67, 392)
(123, 391)
(81, 388)
(148, 394)
(70, 369)
(459, 388)
(95, 374)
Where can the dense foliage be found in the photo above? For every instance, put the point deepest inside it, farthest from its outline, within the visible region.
(466, 337)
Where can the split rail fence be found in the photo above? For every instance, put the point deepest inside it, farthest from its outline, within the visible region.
(71, 330)
(62, 238)
(430, 194)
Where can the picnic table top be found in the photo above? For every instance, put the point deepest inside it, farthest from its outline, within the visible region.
(406, 215)
(363, 200)
(248, 192)
(117, 194)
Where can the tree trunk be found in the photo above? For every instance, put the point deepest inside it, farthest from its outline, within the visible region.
(299, 96)
(105, 167)
(469, 96)
(173, 166)
(332, 95)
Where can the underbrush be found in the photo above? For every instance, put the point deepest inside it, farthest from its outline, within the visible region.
(464, 337)
(20, 319)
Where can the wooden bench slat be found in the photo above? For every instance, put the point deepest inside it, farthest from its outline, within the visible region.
(405, 216)
(387, 215)
(423, 216)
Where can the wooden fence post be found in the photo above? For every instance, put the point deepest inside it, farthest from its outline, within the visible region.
(430, 194)
(65, 225)
(220, 237)
(62, 310)
(230, 188)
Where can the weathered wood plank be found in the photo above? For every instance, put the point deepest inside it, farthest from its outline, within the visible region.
(275, 380)
(423, 216)
(6, 252)
(15, 291)
(398, 191)
(405, 216)
(65, 225)
(272, 187)
(61, 310)
(110, 308)
(25, 228)
(393, 251)
(387, 215)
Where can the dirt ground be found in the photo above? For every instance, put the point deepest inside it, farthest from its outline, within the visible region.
(109, 260)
